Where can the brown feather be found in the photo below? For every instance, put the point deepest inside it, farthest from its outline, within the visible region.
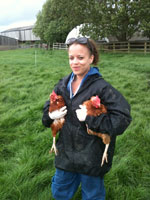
(93, 111)
(56, 102)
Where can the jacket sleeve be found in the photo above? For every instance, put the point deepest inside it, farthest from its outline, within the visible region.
(46, 120)
(117, 118)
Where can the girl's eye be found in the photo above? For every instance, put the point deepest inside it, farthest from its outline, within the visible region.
(80, 58)
(71, 58)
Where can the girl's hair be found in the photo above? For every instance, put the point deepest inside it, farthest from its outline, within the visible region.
(94, 51)
(89, 43)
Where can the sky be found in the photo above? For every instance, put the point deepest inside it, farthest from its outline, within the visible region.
(18, 13)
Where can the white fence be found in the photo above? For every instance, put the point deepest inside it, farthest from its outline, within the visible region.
(59, 46)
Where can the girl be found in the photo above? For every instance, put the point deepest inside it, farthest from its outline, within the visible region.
(79, 154)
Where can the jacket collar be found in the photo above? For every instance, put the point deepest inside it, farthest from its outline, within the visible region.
(92, 71)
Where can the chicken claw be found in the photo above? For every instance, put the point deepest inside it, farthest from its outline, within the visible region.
(104, 158)
(53, 148)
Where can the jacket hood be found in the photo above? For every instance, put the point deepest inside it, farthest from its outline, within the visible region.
(92, 71)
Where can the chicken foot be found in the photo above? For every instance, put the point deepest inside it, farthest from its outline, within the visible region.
(105, 139)
(104, 158)
(53, 148)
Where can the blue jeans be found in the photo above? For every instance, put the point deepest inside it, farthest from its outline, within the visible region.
(65, 184)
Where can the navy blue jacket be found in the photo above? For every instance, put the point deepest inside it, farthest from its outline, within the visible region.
(78, 151)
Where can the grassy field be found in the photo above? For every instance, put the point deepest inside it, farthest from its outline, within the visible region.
(26, 168)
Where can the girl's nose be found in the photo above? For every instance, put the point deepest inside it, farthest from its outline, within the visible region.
(75, 60)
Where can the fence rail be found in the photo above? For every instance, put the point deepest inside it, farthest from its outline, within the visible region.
(128, 47)
(59, 46)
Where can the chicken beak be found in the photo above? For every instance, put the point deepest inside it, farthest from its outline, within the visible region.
(98, 106)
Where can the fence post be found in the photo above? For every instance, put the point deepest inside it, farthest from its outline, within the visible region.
(113, 47)
(128, 47)
(145, 47)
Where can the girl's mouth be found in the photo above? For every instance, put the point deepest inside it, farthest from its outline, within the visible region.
(76, 68)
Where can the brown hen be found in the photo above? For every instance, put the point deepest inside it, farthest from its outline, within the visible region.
(56, 102)
(95, 108)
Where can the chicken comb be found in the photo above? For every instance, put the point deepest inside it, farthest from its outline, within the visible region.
(97, 98)
(53, 96)
(96, 101)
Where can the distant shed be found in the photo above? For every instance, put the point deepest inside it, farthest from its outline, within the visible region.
(22, 34)
(8, 43)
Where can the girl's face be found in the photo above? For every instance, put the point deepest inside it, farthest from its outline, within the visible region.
(79, 59)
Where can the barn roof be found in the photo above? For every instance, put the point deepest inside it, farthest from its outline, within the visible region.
(18, 29)
(21, 33)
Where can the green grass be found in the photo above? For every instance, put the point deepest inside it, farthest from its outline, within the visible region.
(26, 168)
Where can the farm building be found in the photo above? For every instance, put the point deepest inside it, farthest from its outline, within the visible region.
(22, 34)
(8, 43)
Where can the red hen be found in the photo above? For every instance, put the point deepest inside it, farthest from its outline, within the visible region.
(95, 108)
(56, 102)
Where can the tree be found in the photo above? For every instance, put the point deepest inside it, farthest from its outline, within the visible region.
(58, 18)
(116, 18)
(39, 26)
(145, 18)
(100, 18)
(42, 22)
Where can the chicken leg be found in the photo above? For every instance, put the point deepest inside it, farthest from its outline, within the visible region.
(104, 158)
(106, 141)
(53, 148)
